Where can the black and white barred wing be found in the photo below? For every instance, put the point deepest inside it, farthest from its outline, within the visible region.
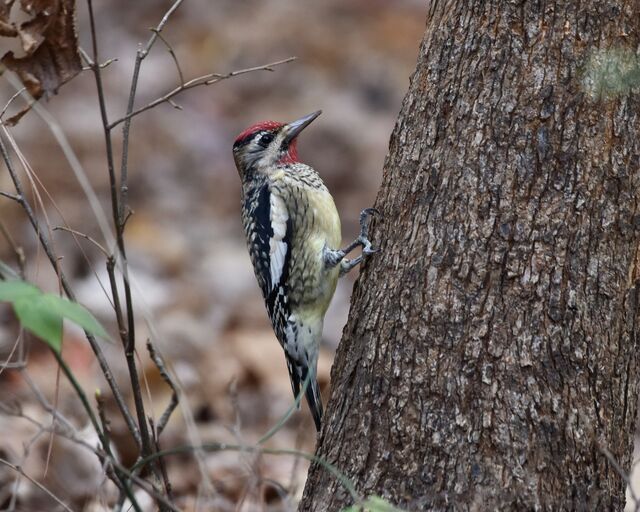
(268, 228)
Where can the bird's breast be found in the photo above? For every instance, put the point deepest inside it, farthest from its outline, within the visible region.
(318, 227)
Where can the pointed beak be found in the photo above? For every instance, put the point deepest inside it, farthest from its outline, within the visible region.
(294, 128)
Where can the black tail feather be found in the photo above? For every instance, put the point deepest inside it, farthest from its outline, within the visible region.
(315, 402)
(299, 374)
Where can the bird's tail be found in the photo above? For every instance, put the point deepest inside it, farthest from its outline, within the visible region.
(301, 375)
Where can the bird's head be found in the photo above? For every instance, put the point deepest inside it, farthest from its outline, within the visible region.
(267, 144)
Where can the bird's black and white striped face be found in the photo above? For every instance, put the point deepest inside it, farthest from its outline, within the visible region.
(259, 146)
(264, 146)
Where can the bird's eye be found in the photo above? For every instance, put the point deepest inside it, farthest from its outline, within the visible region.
(266, 139)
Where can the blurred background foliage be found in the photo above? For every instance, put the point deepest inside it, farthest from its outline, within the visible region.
(194, 284)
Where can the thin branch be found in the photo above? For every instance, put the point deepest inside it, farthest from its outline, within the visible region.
(74, 162)
(8, 104)
(83, 398)
(44, 242)
(83, 235)
(215, 447)
(163, 467)
(70, 434)
(140, 56)
(101, 434)
(174, 104)
(17, 250)
(145, 486)
(19, 363)
(13, 197)
(171, 52)
(104, 421)
(122, 330)
(115, 209)
(173, 403)
(19, 470)
(288, 413)
(55, 413)
(161, 25)
(85, 56)
(101, 66)
(208, 79)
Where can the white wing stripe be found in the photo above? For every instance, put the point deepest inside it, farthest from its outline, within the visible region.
(277, 247)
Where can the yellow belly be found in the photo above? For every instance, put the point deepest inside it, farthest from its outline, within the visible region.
(323, 231)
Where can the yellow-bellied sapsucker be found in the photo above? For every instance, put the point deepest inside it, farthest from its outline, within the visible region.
(293, 236)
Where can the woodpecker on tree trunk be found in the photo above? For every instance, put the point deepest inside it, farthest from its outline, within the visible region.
(293, 234)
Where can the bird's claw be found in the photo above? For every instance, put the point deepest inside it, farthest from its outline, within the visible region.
(370, 250)
(363, 239)
(364, 219)
(367, 247)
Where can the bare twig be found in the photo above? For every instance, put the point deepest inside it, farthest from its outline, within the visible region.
(140, 56)
(208, 79)
(145, 441)
(146, 486)
(215, 447)
(83, 235)
(101, 66)
(171, 52)
(90, 63)
(13, 197)
(17, 250)
(122, 477)
(20, 362)
(104, 421)
(173, 403)
(55, 413)
(111, 272)
(44, 242)
(8, 104)
(70, 434)
(161, 463)
(174, 104)
(74, 163)
(83, 398)
(19, 470)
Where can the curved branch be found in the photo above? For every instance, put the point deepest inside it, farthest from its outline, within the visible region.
(208, 79)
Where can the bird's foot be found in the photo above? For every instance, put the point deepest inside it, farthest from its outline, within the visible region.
(362, 241)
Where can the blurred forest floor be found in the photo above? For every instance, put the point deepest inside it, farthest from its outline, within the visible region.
(195, 293)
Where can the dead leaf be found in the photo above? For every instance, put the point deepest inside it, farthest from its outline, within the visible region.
(50, 43)
(7, 29)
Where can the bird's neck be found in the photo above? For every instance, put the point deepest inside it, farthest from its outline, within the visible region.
(291, 156)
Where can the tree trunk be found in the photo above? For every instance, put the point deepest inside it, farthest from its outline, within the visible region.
(490, 359)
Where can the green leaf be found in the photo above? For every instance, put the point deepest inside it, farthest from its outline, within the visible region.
(74, 312)
(11, 291)
(36, 318)
(42, 313)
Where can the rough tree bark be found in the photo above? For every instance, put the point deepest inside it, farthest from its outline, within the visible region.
(491, 352)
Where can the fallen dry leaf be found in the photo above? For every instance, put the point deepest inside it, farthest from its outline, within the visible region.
(7, 28)
(50, 43)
